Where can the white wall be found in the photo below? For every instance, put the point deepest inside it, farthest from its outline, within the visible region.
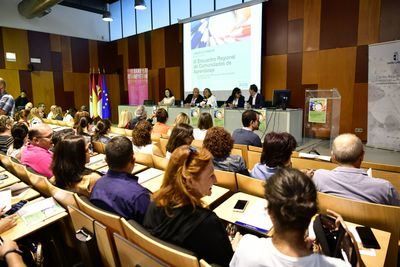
(62, 20)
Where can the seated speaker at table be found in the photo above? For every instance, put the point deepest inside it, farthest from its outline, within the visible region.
(236, 100)
(209, 100)
(169, 98)
(256, 100)
(193, 99)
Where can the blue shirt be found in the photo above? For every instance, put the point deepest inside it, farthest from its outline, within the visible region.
(355, 184)
(262, 171)
(120, 193)
(246, 137)
(7, 104)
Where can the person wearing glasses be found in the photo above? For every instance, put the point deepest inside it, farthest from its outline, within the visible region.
(246, 135)
(177, 214)
(37, 154)
(70, 156)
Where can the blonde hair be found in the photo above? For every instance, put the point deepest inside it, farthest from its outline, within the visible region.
(186, 163)
(124, 118)
(181, 118)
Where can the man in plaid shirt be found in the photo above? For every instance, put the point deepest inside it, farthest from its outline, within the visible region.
(6, 100)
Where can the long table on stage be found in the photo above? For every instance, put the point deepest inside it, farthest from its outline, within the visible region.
(276, 120)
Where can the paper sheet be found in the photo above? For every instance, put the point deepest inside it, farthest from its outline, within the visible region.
(314, 156)
(256, 217)
(148, 175)
(39, 211)
(5, 199)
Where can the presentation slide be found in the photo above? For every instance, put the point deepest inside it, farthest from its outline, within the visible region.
(223, 52)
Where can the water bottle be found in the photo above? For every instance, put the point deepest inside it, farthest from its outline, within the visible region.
(181, 103)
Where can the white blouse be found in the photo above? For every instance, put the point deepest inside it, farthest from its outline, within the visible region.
(210, 102)
(168, 101)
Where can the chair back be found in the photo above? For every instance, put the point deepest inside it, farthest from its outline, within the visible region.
(39, 182)
(64, 197)
(255, 148)
(128, 132)
(380, 166)
(236, 151)
(130, 254)
(144, 159)
(19, 170)
(99, 147)
(6, 162)
(167, 252)
(244, 152)
(226, 179)
(203, 263)
(301, 163)
(160, 163)
(249, 185)
(105, 245)
(378, 216)
(155, 137)
(254, 157)
(116, 130)
(112, 221)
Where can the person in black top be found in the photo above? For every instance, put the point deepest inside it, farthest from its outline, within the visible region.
(236, 100)
(176, 214)
(193, 99)
(21, 100)
(256, 100)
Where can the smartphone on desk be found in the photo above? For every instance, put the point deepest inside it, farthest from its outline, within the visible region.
(3, 176)
(367, 237)
(240, 205)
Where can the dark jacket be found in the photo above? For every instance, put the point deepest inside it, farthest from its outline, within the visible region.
(240, 102)
(246, 137)
(259, 101)
(199, 230)
(188, 99)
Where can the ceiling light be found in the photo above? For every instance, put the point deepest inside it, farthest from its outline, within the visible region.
(140, 4)
(107, 16)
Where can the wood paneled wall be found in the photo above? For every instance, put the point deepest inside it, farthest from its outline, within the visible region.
(306, 44)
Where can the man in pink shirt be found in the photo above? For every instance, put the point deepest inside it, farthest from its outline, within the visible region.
(36, 154)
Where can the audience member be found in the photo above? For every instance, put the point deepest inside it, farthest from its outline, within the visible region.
(141, 138)
(169, 99)
(292, 202)
(180, 118)
(140, 115)
(29, 106)
(70, 156)
(6, 100)
(19, 133)
(124, 119)
(182, 134)
(22, 116)
(236, 100)
(59, 135)
(84, 108)
(11, 254)
(193, 99)
(118, 190)
(51, 114)
(348, 180)
(205, 122)
(58, 114)
(5, 133)
(69, 115)
(42, 110)
(21, 100)
(35, 117)
(220, 143)
(100, 132)
(36, 153)
(160, 127)
(209, 100)
(276, 153)
(246, 135)
(176, 213)
(256, 100)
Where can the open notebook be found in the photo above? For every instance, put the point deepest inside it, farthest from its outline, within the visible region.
(256, 217)
(38, 211)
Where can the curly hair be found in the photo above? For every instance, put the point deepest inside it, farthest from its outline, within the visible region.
(141, 134)
(219, 142)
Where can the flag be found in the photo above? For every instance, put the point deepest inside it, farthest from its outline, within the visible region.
(106, 113)
(90, 93)
(99, 92)
(94, 112)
